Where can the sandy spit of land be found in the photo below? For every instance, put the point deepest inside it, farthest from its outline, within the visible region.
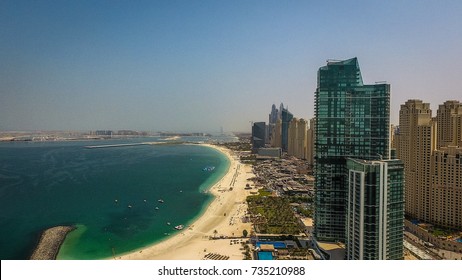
(222, 218)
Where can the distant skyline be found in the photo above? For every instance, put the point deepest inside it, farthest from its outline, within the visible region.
(202, 65)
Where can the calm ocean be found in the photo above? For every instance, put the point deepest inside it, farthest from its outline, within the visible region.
(111, 194)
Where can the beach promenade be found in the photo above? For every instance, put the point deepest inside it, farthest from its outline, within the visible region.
(222, 218)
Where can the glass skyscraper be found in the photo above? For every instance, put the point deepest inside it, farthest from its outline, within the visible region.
(374, 210)
(352, 121)
(258, 136)
(286, 117)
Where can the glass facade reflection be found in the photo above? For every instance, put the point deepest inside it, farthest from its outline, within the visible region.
(374, 210)
(352, 120)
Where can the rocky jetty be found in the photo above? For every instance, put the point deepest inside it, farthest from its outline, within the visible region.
(50, 242)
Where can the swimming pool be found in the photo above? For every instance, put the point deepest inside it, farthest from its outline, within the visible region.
(265, 256)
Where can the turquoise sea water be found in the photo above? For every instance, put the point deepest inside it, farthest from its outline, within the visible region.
(61, 183)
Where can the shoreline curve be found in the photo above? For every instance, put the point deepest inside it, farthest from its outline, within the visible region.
(222, 216)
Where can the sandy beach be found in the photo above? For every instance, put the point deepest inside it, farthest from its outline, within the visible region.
(221, 218)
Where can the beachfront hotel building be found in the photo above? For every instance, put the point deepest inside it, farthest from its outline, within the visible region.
(351, 121)
(375, 210)
(431, 150)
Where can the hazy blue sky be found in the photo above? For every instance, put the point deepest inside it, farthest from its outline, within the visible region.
(199, 65)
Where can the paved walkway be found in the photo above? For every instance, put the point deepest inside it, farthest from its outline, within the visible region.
(418, 252)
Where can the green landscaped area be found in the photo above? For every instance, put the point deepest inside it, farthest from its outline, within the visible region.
(272, 215)
(443, 232)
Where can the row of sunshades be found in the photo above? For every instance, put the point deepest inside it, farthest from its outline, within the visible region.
(216, 257)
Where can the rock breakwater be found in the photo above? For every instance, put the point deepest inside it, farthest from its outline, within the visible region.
(50, 242)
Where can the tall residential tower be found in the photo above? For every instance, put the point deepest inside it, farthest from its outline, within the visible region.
(351, 121)
(375, 210)
(431, 150)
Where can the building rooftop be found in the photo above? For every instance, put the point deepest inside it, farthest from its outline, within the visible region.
(336, 251)
(267, 247)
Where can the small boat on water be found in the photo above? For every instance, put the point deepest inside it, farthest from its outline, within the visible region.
(161, 201)
(129, 206)
(208, 168)
(168, 223)
(157, 208)
(179, 227)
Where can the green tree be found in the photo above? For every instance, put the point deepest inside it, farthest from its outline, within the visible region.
(244, 233)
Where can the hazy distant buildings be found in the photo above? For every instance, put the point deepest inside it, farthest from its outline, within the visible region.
(351, 121)
(286, 117)
(272, 119)
(131, 133)
(310, 142)
(276, 139)
(297, 138)
(375, 210)
(258, 136)
(103, 133)
(273, 116)
(292, 137)
(270, 152)
(287, 132)
(430, 148)
(111, 133)
(278, 127)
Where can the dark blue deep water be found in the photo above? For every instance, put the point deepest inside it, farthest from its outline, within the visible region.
(62, 183)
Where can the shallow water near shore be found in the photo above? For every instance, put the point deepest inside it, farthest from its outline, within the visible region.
(110, 194)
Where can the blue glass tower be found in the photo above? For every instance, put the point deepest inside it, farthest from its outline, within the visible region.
(258, 136)
(352, 121)
(286, 117)
(375, 210)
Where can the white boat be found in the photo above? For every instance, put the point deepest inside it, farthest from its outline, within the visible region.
(168, 223)
(157, 208)
(161, 201)
(208, 168)
(129, 206)
(179, 227)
